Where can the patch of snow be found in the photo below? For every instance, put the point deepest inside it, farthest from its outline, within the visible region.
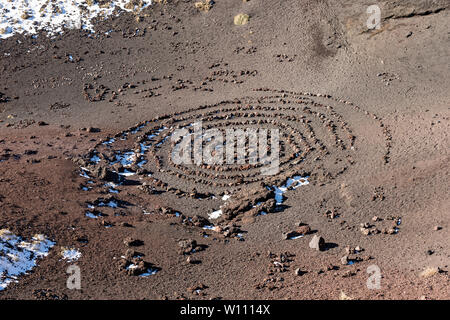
(110, 141)
(215, 214)
(149, 272)
(126, 159)
(91, 215)
(127, 173)
(95, 159)
(111, 204)
(31, 16)
(17, 257)
(291, 183)
(70, 254)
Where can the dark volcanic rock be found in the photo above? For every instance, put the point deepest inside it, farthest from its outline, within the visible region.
(303, 229)
(200, 221)
(135, 266)
(3, 98)
(130, 242)
(104, 173)
(187, 245)
(246, 200)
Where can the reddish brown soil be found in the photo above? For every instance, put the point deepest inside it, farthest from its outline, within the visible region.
(301, 46)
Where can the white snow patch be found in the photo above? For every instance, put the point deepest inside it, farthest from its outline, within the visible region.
(127, 173)
(291, 183)
(31, 16)
(17, 257)
(215, 214)
(70, 254)
(95, 159)
(150, 271)
(91, 215)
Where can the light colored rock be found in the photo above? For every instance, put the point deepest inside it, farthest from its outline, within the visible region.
(317, 242)
(241, 19)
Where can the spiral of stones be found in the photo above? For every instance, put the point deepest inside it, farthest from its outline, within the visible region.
(311, 126)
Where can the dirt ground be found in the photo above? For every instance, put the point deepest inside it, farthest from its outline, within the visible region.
(388, 95)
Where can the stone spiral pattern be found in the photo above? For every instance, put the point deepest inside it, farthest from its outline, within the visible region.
(315, 134)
